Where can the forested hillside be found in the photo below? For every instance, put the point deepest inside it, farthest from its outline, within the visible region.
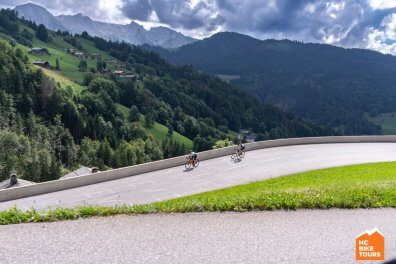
(49, 126)
(329, 85)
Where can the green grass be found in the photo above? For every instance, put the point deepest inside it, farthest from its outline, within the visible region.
(160, 132)
(63, 81)
(358, 186)
(387, 121)
(68, 63)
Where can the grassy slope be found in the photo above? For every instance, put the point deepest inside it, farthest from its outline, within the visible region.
(160, 132)
(358, 186)
(63, 81)
(387, 121)
(70, 76)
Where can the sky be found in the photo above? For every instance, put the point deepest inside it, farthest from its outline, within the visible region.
(350, 23)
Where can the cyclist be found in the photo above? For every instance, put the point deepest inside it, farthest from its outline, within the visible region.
(192, 157)
(240, 148)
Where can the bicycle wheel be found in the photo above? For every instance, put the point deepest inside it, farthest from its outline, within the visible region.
(196, 163)
(242, 154)
(187, 165)
(233, 156)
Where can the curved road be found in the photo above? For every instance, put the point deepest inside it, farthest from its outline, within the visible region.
(211, 174)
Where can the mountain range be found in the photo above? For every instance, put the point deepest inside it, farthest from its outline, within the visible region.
(336, 87)
(131, 33)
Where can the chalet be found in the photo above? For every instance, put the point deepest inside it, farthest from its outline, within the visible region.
(39, 51)
(250, 138)
(14, 182)
(80, 172)
(79, 54)
(131, 77)
(118, 72)
(95, 56)
(43, 64)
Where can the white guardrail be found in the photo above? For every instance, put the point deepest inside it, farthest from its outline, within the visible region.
(78, 181)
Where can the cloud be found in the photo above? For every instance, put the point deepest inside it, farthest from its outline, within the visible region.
(188, 15)
(103, 10)
(347, 23)
(382, 4)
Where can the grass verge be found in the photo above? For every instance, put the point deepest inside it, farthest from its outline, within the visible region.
(359, 186)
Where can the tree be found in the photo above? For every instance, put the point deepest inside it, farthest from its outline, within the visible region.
(149, 120)
(99, 65)
(222, 144)
(88, 77)
(57, 67)
(170, 130)
(134, 114)
(82, 66)
(42, 33)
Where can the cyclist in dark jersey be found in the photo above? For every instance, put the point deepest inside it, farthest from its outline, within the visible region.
(240, 148)
(193, 156)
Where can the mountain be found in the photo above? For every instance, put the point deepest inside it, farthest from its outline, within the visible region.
(332, 86)
(40, 15)
(77, 112)
(132, 33)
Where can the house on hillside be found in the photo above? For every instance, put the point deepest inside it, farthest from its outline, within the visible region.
(80, 172)
(131, 77)
(39, 51)
(95, 56)
(43, 64)
(118, 72)
(246, 136)
(13, 181)
(250, 138)
(79, 54)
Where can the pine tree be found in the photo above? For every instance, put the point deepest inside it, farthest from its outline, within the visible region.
(82, 66)
(57, 67)
(42, 33)
(170, 130)
(134, 114)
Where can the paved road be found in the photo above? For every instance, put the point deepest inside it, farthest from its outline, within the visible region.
(304, 236)
(211, 174)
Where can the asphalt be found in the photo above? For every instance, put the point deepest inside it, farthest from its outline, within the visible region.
(303, 236)
(210, 175)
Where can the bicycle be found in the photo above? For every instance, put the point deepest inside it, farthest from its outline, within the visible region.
(239, 154)
(190, 163)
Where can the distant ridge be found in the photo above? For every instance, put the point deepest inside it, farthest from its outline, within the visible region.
(132, 33)
(333, 86)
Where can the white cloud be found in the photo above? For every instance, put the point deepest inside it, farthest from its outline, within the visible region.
(377, 40)
(382, 4)
(389, 25)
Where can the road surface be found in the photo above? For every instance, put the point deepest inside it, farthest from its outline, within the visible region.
(210, 175)
(303, 236)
